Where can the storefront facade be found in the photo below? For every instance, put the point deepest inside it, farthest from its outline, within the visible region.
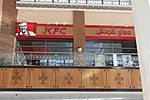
(54, 45)
(55, 50)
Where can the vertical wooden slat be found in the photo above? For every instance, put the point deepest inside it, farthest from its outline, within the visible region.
(42, 78)
(1, 77)
(119, 79)
(136, 79)
(94, 78)
(68, 78)
(16, 78)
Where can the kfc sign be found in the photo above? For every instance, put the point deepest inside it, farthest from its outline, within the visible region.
(33, 30)
(54, 30)
(25, 29)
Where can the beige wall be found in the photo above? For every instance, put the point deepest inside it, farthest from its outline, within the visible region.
(45, 16)
(108, 18)
(91, 18)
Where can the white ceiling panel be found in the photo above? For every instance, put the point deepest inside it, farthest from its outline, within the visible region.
(71, 96)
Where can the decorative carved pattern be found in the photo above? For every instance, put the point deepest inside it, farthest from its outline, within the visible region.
(119, 78)
(21, 4)
(94, 78)
(68, 78)
(43, 78)
(16, 77)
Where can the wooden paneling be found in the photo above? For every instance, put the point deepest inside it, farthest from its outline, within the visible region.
(94, 78)
(16, 78)
(1, 77)
(68, 78)
(42, 78)
(136, 79)
(119, 78)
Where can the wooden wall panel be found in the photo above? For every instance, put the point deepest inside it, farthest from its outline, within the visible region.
(68, 78)
(16, 78)
(42, 78)
(94, 78)
(1, 77)
(119, 78)
(136, 79)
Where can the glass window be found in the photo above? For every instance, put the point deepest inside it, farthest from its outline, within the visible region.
(111, 47)
(44, 46)
(58, 49)
(31, 43)
(124, 44)
(100, 50)
(98, 44)
(46, 52)
(31, 49)
(117, 50)
(116, 45)
(59, 43)
(106, 51)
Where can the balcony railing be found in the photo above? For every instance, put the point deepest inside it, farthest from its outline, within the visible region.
(69, 59)
(97, 2)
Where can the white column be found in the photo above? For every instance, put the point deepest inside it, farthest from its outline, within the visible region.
(141, 13)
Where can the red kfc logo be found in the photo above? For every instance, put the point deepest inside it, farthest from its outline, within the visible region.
(25, 29)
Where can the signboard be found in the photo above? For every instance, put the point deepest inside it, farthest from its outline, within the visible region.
(110, 32)
(48, 31)
(24, 29)
(54, 31)
(33, 30)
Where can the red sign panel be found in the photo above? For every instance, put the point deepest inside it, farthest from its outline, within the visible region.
(60, 31)
(33, 30)
(110, 32)
(55, 31)
(25, 29)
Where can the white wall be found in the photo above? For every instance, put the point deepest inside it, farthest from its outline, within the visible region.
(141, 12)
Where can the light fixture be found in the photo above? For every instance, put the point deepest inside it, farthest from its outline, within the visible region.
(64, 23)
(126, 25)
(113, 24)
(101, 24)
(48, 23)
(79, 49)
(56, 23)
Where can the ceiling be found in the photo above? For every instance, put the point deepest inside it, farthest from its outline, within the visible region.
(71, 95)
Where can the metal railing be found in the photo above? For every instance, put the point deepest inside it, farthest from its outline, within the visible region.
(69, 59)
(97, 2)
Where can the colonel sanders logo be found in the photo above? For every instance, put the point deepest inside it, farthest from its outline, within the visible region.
(23, 30)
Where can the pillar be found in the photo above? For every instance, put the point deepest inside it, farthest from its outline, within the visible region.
(79, 36)
(141, 13)
(1, 2)
(8, 25)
